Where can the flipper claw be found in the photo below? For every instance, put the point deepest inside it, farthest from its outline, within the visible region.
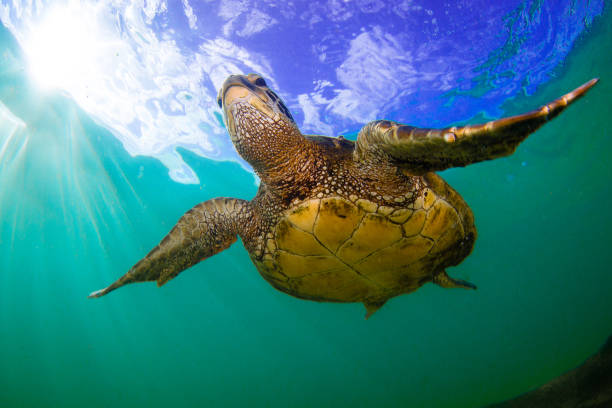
(96, 294)
(124, 280)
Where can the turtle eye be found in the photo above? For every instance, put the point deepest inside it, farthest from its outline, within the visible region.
(260, 82)
(220, 103)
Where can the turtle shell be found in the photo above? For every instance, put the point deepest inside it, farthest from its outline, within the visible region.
(334, 249)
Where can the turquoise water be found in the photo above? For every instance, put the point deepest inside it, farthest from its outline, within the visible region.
(77, 211)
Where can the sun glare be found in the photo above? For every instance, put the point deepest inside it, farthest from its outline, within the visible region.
(61, 48)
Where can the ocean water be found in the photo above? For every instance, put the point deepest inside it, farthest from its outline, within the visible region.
(76, 211)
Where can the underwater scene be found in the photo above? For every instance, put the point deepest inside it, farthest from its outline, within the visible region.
(119, 116)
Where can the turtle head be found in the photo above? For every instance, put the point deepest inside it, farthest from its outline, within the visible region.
(255, 117)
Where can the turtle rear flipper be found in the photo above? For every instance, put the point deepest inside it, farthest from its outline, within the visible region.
(442, 279)
(423, 150)
(206, 229)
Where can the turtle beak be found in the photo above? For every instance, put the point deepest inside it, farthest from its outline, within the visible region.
(240, 81)
(232, 80)
(243, 88)
(234, 87)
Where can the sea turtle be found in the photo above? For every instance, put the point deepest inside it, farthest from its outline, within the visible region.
(336, 220)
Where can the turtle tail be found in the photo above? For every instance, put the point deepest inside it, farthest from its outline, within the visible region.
(373, 306)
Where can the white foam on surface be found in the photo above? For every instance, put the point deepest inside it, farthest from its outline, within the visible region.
(149, 71)
(138, 82)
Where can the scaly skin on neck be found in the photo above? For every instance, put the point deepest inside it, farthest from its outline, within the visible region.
(280, 155)
(265, 142)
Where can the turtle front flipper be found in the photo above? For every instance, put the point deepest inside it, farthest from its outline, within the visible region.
(206, 229)
(422, 150)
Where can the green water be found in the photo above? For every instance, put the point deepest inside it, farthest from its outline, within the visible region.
(77, 211)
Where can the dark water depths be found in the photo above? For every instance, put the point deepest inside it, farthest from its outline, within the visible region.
(77, 211)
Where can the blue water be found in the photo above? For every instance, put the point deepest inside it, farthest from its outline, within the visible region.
(77, 211)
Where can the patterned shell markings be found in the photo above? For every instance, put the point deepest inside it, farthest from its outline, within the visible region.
(333, 249)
